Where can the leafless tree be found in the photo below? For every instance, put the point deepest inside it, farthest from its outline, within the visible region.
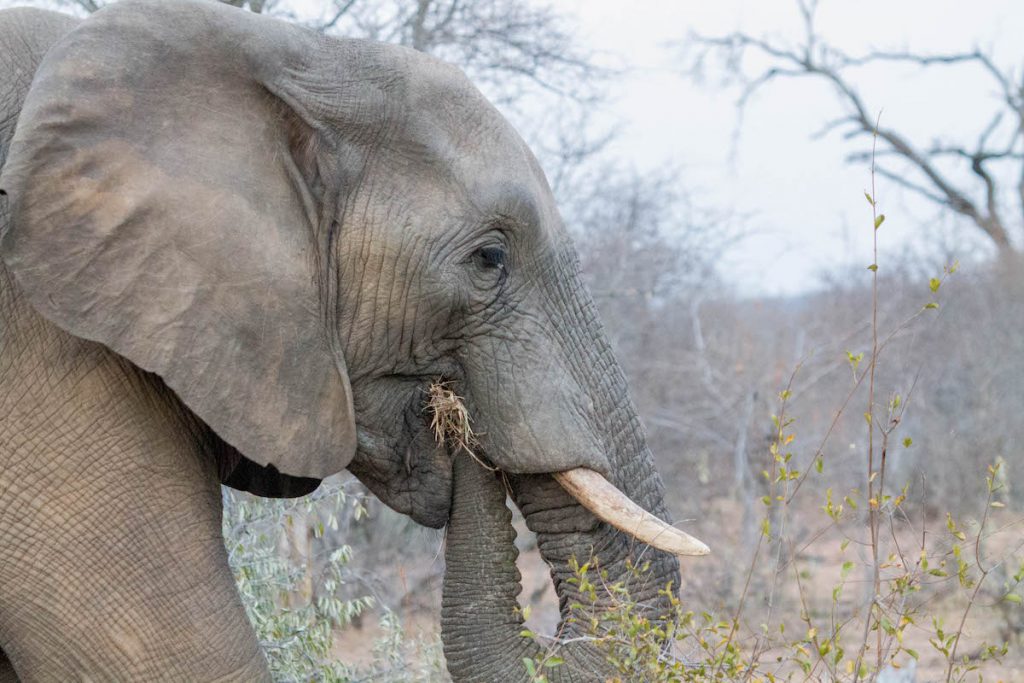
(975, 180)
(504, 43)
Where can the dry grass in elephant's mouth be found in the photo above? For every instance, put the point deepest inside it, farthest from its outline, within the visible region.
(449, 419)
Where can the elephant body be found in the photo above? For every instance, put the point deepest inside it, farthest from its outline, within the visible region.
(106, 482)
(234, 251)
(62, 556)
(119, 492)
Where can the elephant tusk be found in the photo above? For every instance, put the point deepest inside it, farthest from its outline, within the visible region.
(611, 505)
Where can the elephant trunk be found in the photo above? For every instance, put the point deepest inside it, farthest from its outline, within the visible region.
(480, 621)
(584, 414)
(481, 624)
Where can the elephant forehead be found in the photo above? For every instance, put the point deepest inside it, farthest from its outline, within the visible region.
(468, 144)
(475, 171)
(443, 119)
(439, 150)
(421, 122)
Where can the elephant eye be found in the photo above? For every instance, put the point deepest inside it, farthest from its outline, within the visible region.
(491, 257)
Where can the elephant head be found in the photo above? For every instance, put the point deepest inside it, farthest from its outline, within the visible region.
(299, 234)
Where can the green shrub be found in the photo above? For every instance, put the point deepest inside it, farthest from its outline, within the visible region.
(922, 586)
(293, 597)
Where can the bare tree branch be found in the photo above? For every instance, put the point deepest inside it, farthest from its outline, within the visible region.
(343, 8)
(912, 186)
(813, 57)
(506, 43)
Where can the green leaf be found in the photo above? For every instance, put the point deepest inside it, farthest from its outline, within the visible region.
(868, 197)
(1012, 597)
(931, 305)
(934, 284)
(907, 442)
(873, 267)
(879, 219)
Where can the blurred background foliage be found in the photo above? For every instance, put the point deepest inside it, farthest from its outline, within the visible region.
(706, 363)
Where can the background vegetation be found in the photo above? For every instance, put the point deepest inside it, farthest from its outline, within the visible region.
(853, 453)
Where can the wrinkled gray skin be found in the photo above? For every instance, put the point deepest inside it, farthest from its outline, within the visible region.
(237, 251)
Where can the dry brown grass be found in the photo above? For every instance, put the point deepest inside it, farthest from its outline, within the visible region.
(450, 421)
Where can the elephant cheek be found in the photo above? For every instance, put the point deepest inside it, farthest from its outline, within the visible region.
(414, 479)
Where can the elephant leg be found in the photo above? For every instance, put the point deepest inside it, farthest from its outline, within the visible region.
(7, 674)
(112, 564)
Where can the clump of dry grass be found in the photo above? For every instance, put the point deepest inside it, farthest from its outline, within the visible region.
(450, 420)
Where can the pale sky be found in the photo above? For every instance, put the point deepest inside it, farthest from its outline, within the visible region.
(805, 203)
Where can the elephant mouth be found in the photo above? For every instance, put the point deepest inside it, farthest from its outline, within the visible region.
(418, 481)
(450, 424)
(398, 459)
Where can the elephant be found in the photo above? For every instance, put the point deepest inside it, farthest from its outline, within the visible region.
(236, 251)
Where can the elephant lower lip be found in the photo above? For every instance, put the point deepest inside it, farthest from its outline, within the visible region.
(403, 467)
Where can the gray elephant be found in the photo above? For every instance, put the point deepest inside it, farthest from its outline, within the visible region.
(236, 251)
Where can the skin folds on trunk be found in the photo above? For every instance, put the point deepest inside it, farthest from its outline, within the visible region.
(480, 624)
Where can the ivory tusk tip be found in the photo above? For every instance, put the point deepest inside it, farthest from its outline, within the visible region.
(700, 548)
(679, 543)
(614, 507)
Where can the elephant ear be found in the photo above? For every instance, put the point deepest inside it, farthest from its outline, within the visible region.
(164, 201)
